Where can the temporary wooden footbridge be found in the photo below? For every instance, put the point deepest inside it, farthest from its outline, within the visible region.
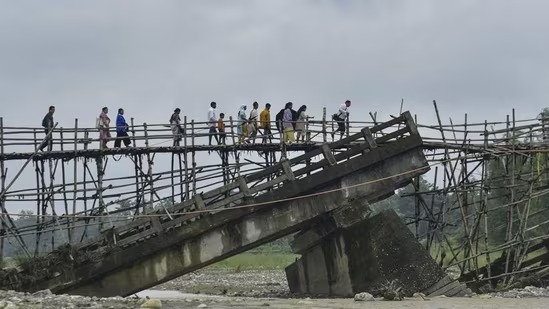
(128, 206)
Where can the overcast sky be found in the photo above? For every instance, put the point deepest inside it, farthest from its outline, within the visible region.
(480, 57)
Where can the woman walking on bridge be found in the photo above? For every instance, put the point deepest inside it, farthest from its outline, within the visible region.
(242, 124)
(301, 123)
(103, 125)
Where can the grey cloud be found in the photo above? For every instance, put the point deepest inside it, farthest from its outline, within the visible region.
(83, 55)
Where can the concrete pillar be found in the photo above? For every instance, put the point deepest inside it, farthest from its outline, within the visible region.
(363, 258)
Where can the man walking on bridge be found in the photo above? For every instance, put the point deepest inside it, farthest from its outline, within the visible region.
(212, 123)
(265, 123)
(254, 115)
(175, 125)
(341, 116)
(121, 130)
(47, 123)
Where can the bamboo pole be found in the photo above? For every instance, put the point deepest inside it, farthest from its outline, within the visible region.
(193, 158)
(2, 187)
(509, 234)
(185, 130)
(324, 126)
(484, 199)
(64, 181)
(75, 174)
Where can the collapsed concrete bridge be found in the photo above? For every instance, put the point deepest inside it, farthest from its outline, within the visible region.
(290, 196)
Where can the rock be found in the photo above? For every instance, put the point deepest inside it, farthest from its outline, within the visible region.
(485, 296)
(42, 293)
(202, 306)
(418, 295)
(364, 297)
(10, 305)
(304, 302)
(152, 303)
(265, 304)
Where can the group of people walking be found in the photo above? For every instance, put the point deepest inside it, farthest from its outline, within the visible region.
(102, 123)
(290, 123)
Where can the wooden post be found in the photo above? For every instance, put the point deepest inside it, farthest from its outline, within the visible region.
(86, 139)
(75, 174)
(135, 167)
(38, 208)
(484, 200)
(513, 207)
(146, 135)
(64, 180)
(151, 182)
(193, 154)
(181, 196)
(232, 129)
(84, 184)
(172, 178)
(43, 192)
(136, 173)
(2, 187)
(324, 126)
(347, 124)
(186, 153)
(133, 132)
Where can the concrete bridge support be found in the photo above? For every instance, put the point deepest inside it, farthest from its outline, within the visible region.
(358, 255)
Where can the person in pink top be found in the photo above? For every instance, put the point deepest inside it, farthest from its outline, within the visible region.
(104, 124)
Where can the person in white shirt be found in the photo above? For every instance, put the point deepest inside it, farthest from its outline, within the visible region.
(341, 116)
(212, 122)
(175, 124)
(254, 117)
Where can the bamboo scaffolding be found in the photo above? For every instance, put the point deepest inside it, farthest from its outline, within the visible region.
(460, 198)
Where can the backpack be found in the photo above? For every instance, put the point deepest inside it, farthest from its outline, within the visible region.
(278, 118)
(98, 123)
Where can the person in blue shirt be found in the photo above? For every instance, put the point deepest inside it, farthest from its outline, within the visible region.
(121, 130)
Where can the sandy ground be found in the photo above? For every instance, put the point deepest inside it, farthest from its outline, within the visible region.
(192, 301)
(247, 283)
(268, 288)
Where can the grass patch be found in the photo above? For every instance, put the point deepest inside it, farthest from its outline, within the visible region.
(259, 260)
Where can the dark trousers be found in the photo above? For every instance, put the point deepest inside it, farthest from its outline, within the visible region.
(340, 124)
(47, 142)
(267, 134)
(122, 136)
(222, 136)
(213, 132)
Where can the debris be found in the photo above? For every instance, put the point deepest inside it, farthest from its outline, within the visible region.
(364, 297)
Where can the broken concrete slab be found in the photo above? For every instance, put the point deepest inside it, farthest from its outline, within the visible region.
(224, 234)
(365, 257)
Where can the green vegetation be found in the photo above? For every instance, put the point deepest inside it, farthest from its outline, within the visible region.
(257, 260)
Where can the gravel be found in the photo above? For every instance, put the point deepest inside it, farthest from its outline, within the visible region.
(254, 289)
(529, 291)
(246, 283)
(46, 300)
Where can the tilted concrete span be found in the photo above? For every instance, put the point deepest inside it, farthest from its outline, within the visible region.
(252, 211)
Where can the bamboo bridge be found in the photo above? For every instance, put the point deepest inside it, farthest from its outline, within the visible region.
(119, 215)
